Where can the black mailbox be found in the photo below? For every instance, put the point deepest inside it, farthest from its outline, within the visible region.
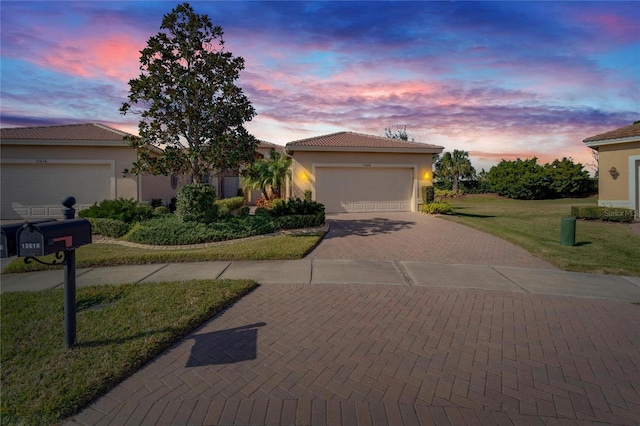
(48, 238)
(8, 246)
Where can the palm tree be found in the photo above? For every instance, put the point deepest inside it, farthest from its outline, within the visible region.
(454, 166)
(269, 175)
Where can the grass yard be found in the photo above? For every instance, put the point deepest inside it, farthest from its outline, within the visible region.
(119, 329)
(278, 247)
(601, 247)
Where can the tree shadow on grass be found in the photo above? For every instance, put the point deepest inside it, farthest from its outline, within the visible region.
(582, 243)
(366, 227)
(481, 216)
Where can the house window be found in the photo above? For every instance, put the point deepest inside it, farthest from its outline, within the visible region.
(205, 178)
(174, 181)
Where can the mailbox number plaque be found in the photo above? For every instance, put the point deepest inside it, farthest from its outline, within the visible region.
(31, 244)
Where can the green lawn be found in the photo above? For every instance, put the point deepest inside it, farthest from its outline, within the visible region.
(278, 247)
(119, 329)
(601, 247)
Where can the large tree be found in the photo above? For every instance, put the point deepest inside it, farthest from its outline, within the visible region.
(453, 166)
(188, 101)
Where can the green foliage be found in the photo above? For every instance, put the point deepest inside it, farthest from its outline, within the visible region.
(232, 203)
(453, 166)
(308, 195)
(527, 180)
(438, 208)
(108, 227)
(188, 100)
(400, 134)
(155, 202)
(43, 382)
(299, 221)
(568, 179)
(196, 203)
(125, 210)
(244, 211)
(608, 214)
(262, 211)
(428, 194)
(269, 175)
(520, 179)
(160, 210)
(223, 213)
(444, 193)
(296, 206)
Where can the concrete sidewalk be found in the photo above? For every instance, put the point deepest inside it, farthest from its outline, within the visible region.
(323, 271)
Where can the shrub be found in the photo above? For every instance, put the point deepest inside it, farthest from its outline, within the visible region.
(443, 193)
(308, 195)
(160, 210)
(196, 203)
(296, 206)
(438, 208)
(609, 214)
(244, 211)
(231, 203)
(299, 221)
(108, 227)
(156, 202)
(428, 194)
(127, 211)
(262, 211)
(172, 204)
(263, 202)
(224, 213)
(168, 230)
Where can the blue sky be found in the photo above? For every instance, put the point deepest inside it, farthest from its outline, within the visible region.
(498, 79)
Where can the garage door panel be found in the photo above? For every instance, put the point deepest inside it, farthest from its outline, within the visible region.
(364, 189)
(36, 190)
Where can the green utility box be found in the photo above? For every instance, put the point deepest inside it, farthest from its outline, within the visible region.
(568, 231)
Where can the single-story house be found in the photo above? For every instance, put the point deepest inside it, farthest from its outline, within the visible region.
(354, 172)
(91, 162)
(619, 166)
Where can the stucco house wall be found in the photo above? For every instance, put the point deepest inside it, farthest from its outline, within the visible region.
(353, 172)
(41, 165)
(619, 166)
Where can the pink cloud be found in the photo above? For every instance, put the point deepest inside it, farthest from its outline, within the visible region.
(115, 57)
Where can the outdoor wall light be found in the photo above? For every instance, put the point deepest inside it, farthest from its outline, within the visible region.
(124, 173)
(304, 176)
(426, 175)
(614, 173)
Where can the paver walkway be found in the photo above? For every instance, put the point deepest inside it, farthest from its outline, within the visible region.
(417, 237)
(392, 355)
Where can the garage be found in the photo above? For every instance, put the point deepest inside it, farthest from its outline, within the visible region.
(36, 189)
(369, 189)
(352, 172)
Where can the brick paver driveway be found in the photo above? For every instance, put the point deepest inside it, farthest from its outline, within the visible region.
(392, 355)
(417, 237)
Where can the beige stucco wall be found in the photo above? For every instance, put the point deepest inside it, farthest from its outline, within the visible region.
(302, 172)
(123, 157)
(614, 191)
(128, 186)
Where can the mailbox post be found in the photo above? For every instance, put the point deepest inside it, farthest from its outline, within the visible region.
(41, 239)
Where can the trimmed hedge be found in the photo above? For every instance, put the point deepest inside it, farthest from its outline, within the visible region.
(438, 208)
(196, 203)
(609, 214)
(428, 194)
(125, 210)
(108, 227)
(231, 203)
(299, 221)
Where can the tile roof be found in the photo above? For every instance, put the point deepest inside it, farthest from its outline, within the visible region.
(623, 132)
(71, 132)
(359, 141)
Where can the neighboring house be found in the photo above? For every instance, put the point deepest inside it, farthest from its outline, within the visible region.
(91, 162)
(619, 166)
(354, 172)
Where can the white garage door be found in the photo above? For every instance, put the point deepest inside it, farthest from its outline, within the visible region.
(346, 189)
(36, 190)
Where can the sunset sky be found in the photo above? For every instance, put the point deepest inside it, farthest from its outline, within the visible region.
(497, 79)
